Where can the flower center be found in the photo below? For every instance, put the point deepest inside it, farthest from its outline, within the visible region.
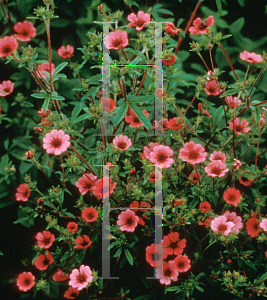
(222, 228)
(202, 26)
(129, 221)
(27, 281)
(122, 145)
(82, 278)
(7, 49)
(57, 142)
(193, 154)
(90, 216)
(168, 273)
(117, 43)
(161, 157)
(216, 171)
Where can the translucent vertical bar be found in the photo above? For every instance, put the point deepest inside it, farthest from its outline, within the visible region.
(106, 81)
(106, 227)
(158, 80)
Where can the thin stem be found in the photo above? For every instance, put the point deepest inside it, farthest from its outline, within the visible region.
(257, 151)
(124, 53)
(192, 101)
(256, 81)
(203, 61)
(247, 72)
(63, 170)
(211, 60)
(49, 49)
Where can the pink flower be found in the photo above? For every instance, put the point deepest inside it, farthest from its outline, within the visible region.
(239, 127)
(46, 67)
(217, 155)
(56, 142)
(83, 242)
(205, 112)
(86, 183)
(205, 206)
(147, 150)
(116, 39)
(169, 28)
(193, 153)
(175, 123)
(24, 31)
(128, 219)
(195, 176)
(23, 192)
(140, 212)
(220, 224)
(71, 293)
(263, 224)
(201, 27)
(232, 217)
(251, 58)
(89, 214)
(81, 278)
(7, 46)
(139, 21)
(108, 105)
(133, 120)
(181, 263)
(212, 88)
(232, 101)
(167, 273)
(262, 119)
(65, 52)
(122, 142)
(102, 192)
(161, 156)
(237, 164)
(25, 281)
(59, 276)
(45, 239)
(216, 169)
(172, 244)
(232, 196)
(72, 227)
(6, 88)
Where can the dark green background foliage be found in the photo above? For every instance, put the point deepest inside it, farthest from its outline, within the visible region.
(244, 19)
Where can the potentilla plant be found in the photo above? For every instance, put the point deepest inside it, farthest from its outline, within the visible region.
(207, 165)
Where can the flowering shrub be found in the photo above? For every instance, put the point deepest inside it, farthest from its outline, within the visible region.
(179, 200)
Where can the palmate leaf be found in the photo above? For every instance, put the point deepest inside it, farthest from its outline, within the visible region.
(141, 116)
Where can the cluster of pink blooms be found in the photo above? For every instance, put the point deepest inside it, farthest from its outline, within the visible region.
(171, 267)
(227, 223)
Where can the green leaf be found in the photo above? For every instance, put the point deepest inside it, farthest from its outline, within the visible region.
(141, 99)
(4, 203)
(59, 68)
(77, 109)
(219, 6)
(41, 95)
(46, 104)
(141, 116)
(81, 118)
(180, 21)
(136, 52)
(121, 113)
(128, 256)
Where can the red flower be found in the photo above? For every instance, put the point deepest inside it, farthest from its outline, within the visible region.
(43, 261)
(169, 28)
(232, 101)
(212, 88)
(83, 242)
(25, 281)
(162, 125)
(175, 123)
(140, 212)
(133, 120)
(253, 227)
(44, 122)
(244, 180)
(7, 46)
(204, 206)
(72, 227)
(65, 52)
(29, 155)
(116, 39)
(46, 67)
(251, 58)
(181, 263)
(153, 255)
(193, 153)
(196, 177)
(45, 239)
(160, 92)
(154, 176)
(108, 105)
(172, 244)
(128, 219)
(71, 293)
(170, 61)
(205, 112)
(232, 196)
(201, 27)
(86, 183)
(89, 214)
(167, 274)
(139, 21)
(239, 127)
(42, 114)
(216, 169)
(217, 155)
(100, 191)
(59, 276)
(23, 192)
(6, 88)
(24, 31)
(132, 171)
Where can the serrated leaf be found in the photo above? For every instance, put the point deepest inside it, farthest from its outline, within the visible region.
(40, 96)
(81, 118)
(128, 256)
(140, 115)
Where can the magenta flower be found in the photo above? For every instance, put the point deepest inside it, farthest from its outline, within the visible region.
(56, 142)
(216, 169)
(116, 39)
(212, 88)
(193, 153)
(220, 224)
(6, 88)
(128, 220)
(86, 183)
(232, 101)
(238, 126)
(161, 156)
(201, 27)
(24, 31)
(169, 28)
(139, 21)
(217, 155)
(81, 278)
(122, 142)
(251, 58)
